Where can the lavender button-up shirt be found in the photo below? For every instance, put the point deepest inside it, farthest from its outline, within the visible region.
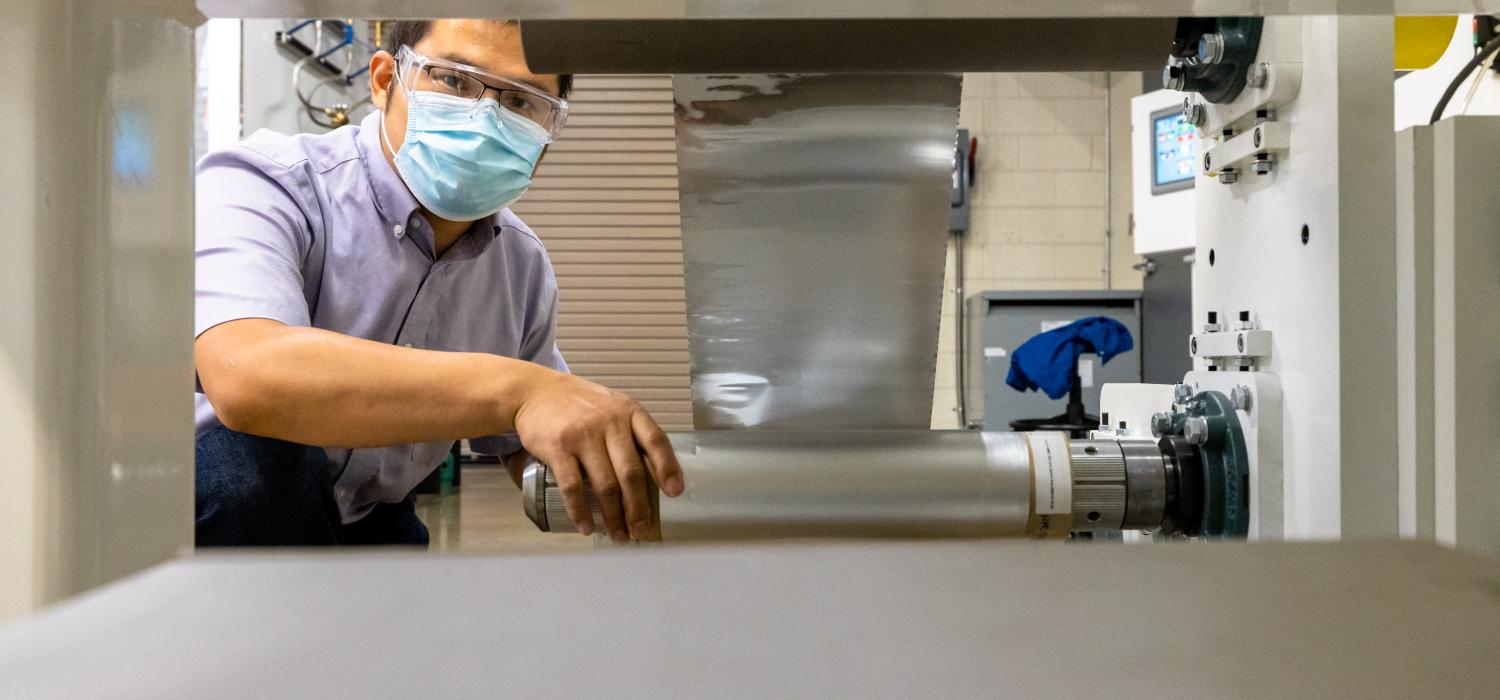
(320, 231)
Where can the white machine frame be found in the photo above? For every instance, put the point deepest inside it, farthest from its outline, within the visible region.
(1317, 343)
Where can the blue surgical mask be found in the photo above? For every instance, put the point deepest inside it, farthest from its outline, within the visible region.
(465, 159)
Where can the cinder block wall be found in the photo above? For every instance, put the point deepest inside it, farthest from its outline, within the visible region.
(1041, 216)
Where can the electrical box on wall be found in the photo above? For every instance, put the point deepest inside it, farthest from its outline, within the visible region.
(1164, 151)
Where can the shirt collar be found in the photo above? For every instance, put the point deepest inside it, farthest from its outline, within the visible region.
(396, 203)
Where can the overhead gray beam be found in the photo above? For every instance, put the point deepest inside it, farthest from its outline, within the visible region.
(846, 46)
(802, 9)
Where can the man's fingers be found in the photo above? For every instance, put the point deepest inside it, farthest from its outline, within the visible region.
(606, 489)
(571, 485)
(632, 477)
(653, 441)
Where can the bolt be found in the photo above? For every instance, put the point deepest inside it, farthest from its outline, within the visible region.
(1161, 424)
(1174, 78)
(1239, 397)
(1229, 176)
(1193, 112)
(1239, 342)
(1182, 393)
(1211, 48)
(1195, 429)
(1259, 75)
(1263, 167)
(1193, 345)
(1256, 137)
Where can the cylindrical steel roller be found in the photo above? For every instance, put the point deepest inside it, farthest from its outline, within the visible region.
(849, 483)
(903, 483)
(908, 483)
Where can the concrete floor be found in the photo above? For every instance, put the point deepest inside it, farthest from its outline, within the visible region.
(484, 515)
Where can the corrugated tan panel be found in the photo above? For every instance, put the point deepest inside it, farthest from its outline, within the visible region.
(605, 203)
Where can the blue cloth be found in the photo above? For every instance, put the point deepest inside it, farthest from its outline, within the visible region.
(257, 491)
(1046, 361)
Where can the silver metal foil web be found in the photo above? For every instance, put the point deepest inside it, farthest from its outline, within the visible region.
(814, 216)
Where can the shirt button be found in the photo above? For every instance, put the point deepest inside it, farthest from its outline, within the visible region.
(396, 229)
(406, 345)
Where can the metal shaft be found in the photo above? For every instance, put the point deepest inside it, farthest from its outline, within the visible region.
(903, 483)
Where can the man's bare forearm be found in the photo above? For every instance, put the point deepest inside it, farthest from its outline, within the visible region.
(316, 387)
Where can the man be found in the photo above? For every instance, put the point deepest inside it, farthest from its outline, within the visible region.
(364, 298)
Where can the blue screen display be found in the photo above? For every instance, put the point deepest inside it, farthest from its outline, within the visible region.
(1176, 150)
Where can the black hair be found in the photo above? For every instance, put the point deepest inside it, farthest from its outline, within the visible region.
(408, 32)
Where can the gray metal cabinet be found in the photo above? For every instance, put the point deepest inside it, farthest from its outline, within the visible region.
(1009, 319)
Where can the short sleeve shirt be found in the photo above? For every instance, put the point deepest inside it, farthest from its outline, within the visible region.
(320, 231)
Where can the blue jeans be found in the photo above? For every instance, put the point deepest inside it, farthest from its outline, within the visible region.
(260, 492)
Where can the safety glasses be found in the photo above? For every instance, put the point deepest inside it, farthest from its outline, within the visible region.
(420, 72)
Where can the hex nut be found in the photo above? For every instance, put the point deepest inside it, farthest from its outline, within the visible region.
(1195, 429)
(1211, 48)
(1161, 424)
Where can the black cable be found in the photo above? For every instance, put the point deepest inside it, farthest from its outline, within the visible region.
(1484, 52)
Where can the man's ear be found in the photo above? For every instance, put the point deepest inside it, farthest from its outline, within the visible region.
(382, 78)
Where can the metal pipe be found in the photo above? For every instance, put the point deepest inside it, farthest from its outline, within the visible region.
(899, 483)
(960, 342)
(1109, 181)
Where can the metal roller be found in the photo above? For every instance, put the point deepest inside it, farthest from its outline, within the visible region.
(911, 483)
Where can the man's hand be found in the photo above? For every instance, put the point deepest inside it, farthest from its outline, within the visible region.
(577, 427)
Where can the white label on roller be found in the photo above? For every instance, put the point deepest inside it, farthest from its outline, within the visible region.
(994, 352)
(1053, 325)
(1086, 372)
(1053, 473)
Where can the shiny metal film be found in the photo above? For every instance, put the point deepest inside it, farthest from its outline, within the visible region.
(814, 213)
